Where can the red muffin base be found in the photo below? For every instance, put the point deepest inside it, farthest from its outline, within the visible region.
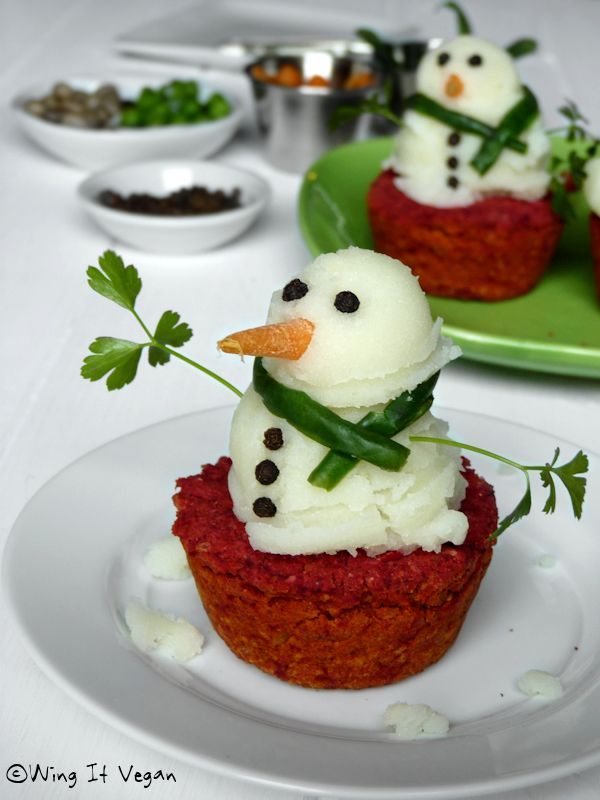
(494, 249)
(330, 621)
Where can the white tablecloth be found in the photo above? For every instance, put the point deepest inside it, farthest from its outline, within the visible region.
(49, 416)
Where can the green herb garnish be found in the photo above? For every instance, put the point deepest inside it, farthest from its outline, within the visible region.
(569, 473)
(118, 359)
(568, 171)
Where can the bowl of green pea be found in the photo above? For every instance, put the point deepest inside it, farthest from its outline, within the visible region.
(91, 123)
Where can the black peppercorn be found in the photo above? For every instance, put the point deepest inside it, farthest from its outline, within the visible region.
(443, 58)
(453, 139)
(476, 60)
(294, 290)
(452, 162)
(273, 438)
(266, 472)
(346, 302)
(264, 507)
(452, 182)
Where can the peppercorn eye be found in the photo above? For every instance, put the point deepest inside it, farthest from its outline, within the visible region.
(475, 60)
(443, 58)
(294, 290)
(346, 302)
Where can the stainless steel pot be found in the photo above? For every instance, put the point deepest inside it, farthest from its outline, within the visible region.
(294, 120)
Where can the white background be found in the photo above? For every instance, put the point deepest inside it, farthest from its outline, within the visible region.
(49, 416)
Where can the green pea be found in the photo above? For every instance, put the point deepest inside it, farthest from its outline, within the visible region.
(148, 98)
(191, 110)
(130, 118)
(217, 107)
(159, 115)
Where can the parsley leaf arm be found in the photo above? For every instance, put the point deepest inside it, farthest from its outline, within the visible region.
(118, 359)
(570, 474)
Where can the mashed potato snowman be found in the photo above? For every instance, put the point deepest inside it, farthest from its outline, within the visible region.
(343, 542)
(470, 76)
(464, 197)
(370, 337)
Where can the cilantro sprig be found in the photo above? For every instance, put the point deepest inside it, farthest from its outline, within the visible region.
(118, 359)
(568, 170)
(570, 475)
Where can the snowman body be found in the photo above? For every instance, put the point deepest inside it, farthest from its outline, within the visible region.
(433, 161)
(355, 364)
(371, 508)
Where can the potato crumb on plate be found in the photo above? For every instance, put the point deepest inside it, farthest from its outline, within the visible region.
(415, 721)
(537, 683)
(153, 630)
(547, 561)
(166, 559)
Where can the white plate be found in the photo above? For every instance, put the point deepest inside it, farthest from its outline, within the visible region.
(74, 558)
(94, 149)
(194, 233)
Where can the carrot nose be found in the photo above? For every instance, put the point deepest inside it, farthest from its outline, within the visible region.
(454, 86)
(281, 340)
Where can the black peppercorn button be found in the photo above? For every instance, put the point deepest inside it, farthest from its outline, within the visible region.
(452, 182)
(443, 58)
(346, 302)
(266, 472)
(294, 290)
(264, 507)
(476, 60)
(273, 438)
(453, 139)
(452, 162)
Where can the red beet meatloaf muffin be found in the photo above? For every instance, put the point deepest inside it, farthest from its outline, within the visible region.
(495, 249)
(330, 621)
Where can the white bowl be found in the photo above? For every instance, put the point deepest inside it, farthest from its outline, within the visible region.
(94, 149)
(174, 235)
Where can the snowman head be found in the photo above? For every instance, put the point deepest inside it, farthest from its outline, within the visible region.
(360, 317)
(472, 76)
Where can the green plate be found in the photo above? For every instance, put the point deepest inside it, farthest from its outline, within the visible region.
(554, 328)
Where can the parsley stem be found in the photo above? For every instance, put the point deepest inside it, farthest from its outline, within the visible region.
(154, 343)
(206, 371)
(452, 443)
(139, 319)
